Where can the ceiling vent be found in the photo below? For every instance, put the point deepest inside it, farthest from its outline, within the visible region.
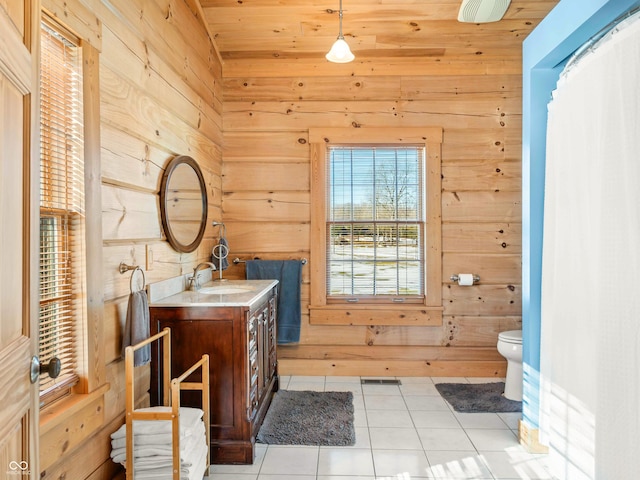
(482, 11)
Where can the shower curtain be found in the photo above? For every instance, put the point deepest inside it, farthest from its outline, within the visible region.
(590, 337)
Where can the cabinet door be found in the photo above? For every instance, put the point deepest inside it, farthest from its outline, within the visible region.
(253, 372)
(272, 337)
(189, 341)
(264, 348)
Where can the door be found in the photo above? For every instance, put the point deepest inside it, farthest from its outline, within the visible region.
(18, 238)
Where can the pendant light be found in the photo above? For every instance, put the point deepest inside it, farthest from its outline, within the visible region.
(340, 52)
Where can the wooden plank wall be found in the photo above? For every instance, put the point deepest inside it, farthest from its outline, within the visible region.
(269, 105)
(160, 96)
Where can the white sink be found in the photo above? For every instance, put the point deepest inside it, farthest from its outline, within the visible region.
(223, 290)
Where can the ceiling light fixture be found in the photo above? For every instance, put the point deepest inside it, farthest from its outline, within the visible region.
(340, 52)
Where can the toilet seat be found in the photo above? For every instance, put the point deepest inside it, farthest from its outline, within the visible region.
(511, 336)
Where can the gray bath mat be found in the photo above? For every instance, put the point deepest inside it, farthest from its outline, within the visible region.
(478, 397)
(309, 418)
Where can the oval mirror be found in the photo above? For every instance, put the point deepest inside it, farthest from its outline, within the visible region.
(183, 204)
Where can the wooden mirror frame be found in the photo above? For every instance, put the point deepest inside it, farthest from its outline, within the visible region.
(165, 190)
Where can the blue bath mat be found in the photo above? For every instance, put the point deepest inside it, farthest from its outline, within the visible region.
(478, 397)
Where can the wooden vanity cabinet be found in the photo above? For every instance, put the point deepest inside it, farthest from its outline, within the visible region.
(241, 343)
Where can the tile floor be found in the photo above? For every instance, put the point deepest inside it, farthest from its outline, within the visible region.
(403, 432)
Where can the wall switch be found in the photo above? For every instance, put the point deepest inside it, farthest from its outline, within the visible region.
(149, 257)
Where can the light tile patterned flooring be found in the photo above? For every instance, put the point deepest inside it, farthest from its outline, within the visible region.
(404, 432)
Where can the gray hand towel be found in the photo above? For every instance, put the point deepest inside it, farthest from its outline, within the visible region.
(136, 327)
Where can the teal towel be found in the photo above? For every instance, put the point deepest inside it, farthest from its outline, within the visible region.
(289, 274)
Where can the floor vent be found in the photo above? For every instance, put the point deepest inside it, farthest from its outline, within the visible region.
(376, 381)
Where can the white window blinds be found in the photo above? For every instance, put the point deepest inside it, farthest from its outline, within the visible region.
(375, 222)
(61, 207)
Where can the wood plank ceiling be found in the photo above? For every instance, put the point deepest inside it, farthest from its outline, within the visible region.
(375, 29)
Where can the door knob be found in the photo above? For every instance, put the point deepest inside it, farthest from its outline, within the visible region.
(53, 368)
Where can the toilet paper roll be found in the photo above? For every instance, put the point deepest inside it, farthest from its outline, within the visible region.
(465, 279)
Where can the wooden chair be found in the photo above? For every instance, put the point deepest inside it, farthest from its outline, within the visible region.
(171, 397)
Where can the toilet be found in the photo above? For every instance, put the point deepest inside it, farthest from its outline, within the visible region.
(510, 347)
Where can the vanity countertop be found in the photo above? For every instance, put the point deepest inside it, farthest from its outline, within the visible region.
(230, 293)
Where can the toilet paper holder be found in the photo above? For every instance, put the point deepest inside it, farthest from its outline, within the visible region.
(476, 278)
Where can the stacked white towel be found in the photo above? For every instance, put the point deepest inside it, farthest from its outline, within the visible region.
(152, 447)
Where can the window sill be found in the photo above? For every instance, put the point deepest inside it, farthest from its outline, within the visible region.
(376, 314)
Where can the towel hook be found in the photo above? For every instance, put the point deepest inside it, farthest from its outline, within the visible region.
(222, 232)
(123, 268)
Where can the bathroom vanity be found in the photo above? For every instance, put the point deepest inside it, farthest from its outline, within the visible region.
(235, 323)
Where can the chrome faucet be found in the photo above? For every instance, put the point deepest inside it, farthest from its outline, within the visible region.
(193, 280)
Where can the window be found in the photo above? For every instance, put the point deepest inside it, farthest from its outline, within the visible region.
(375, 226)
(375, 222)
(61, 207)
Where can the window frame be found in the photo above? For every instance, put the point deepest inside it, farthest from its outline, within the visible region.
(324, 311)
(62, 206)
(90, 367)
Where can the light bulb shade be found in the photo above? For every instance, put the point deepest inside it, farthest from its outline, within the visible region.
(340, 52)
